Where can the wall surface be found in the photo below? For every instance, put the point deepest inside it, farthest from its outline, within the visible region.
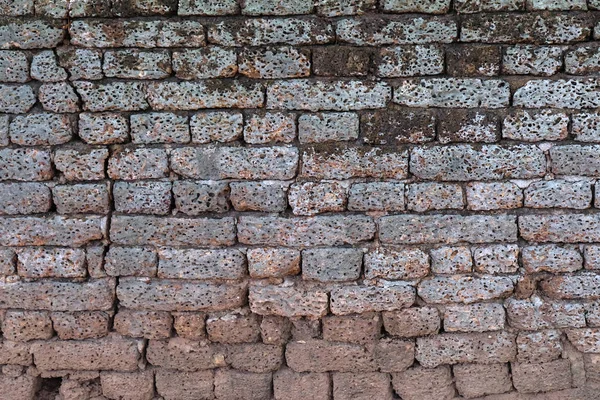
(288, 199)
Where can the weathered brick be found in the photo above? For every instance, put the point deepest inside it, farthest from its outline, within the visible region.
(452, 93)
(278, 162)
(273, 7)
(551, 258)
(543, 377)
(365, 386)
(493, 196)
(291, 385)
(454, 348)
(45, 68)
(259, 196)
(420, 383)
(532, 60)
(173, 295)
(479, 317)
(535, 126)
(331, 264)
(30, 34)
(543, 346)
(298, 231)
(57, 262)
(582, 60)
(389, 296)
(393, 355)
(591, 257)
(273, 262)
(275, 329)
(14, 66)
(464, 289)
(561, 93)
(136, 64)
(131, 261)
(25, 198)
(201, 264)
(23, 387)
(138, 163)
(270, 128)
(114, 96)
(254, 357)
(326, 127)
(17, 8)
(376, 196)
(135, 386)
(466, 162)
(274, 63)
(585, 339)
(559, 193)
(196, 197)
(572, 287)
(396, 125)
(22, 326)
(345, 61)
(81, 63)
(390, 263)
(473, 60)
(363, 328)
(343, 162)
(80, 325)
(16, 99)
(143, 324)
(104, 128)
(433, 196)
(83, 198)
(364, 31)
(4, 123)
(496, 259)
(575, 160)
(412, 229)
(233, 327)
(59, 97)
(81, 163)
(236, 385)
(207, 7)
(323, 356)
(475, 380)
(208, 62)
(412, 322)
(536, 313)
(218, 126)
(184, 355)
(8, 261)
(310, 198)
(159, 128)
(586, 127)
(132, 230)
(172, 384)
(305, 328)
(303, 94)
(451, 260)
(142, 197)
(261, 32)
(189, 325)
(288, 301)
(567, 228)
(416, 6)
(468, 126)
(51, 231)
(15, 353)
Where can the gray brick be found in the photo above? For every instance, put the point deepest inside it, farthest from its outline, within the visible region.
(496, 259)
(572, 287)
(336, 8)
(475, 380)
(410, 61)
(551, 258)
(406, 229)
(556, 5)
(25, 165)
(270, 128)
(138, 163)
(16, 8)
(103, 128)
(532, 60)
(273, 262)
(131, 261)
(582, 60)
(51, 231)
(376, 196)
(39, 262)
(464, 289)
(259, 196)
(207, 7)
(83, 198)
(310, 198)
(469, 126)
(114, 96)
(196, 197)
(22, 326)
(434, 196)
(136, 64)
(81, 63)
(142, 197)
(274, 7)
(412, 322)
(274, 63)
(185, 355)
(540, 346)
(586, 127)
(218, 126)
(536, 313)
(326, 127)
(591, 256)
(559, 193)
(395, 264)
(201, 264)
(59, 97)
(389, 296)
(14, 66)
(8, 261)
(288, 301)
(543, 377)
(30, 34)
(4, 123)
(561, 93)
(451, 260)
(209, 62)
(575, 160)
(416, 6)
(331, 264)
(24, 198)
(493, 195)
(16, 99)
(81, 163)
(535, 126)
(479, 317)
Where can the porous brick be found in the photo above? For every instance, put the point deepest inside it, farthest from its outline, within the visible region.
(331, 264)
(136, 64)
(81, 163)
(559, 193)
(159, 128)
(270, 128)
(22, 326)
(103, 128)
(551, 258)
(92, 198)
(80, 325)
(56, 262)
(335, 8)
(326, 127)
(172, 384)
(434, 196)
(59, 97)
(474, 380)
(484, 196)
(142, 197)
(561, 93)
(233, 327)
(473, 60)
(275, 329)
(16, 99)
(114, 96)
(14, 66)
(479, 317)
(323, 356)
(143, 324)
(218, 126)
(532, 60)
(131, 261)
(416, 6)
(288, 301)
(542, 346)
(259, 196)
(396, 125)
(542, 377)
(412, 322)
(291, 385)
(138, 163)
(469, 126)
(376, 196)
(585, 127)
(451, 260)
(81, 63)
(496, 259)
(196, 197)
(208, 62)
(464, 289)
(128, 385)
(361, 386)
(535, 126)
(238, 385)
(420, 383)
(30, 34)
(393, 264)
(536, 313)
(25, 198)
(312, 198)
(184, 355)
(274, 63)
(389, 296)
(345, 61)
(201, 264)
(568, 228)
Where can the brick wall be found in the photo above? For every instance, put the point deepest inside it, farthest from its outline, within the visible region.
(296, 200)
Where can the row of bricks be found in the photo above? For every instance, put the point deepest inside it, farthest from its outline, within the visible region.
(219, 62)
(362, 31)
(327, 8)
(394, 125)
(309, 198)
(322, 264)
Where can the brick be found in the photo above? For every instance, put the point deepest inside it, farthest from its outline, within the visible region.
(172, 384)
(311, 198)
(207, 7)
(83, 198)
(567, 228)
(496, 259)
(586, 127)
(536, 313)
(51, 8)
(233, 327)
(344, 61)
(553, 5)
(275, 329)
(59, 97)
(51, 231)
(16, 8)
(575, 160)
(218, 126)
(259, 196)
(364, 328)
(585, 339)
(364, 31)
(270, 128)
(208, 62)
(535, 126)
(290, 385)
(136, 64)
(582, 60)
(451, 260)
(452, 93)
(133, 386)
(16, 99)
(299, 231)
(323, 356)
(469, 126)
(420, 383)
(454, 348)
(487, 162)
(81, 63)
(389, 296)
(14, 66)
(22, 387)
(189, 325)
(142, 197)
(559, 193)
(393, 264)
(532, 60)
(327, 127)
(4, 123)
(493, 196)
(90, 355)
(104, 128)
(201, 264)
(305, 328)
(392, 355)
(81, 163)
(131, 261)
(572, 287)
(277, 162)
(143, 324)
(132, 230)
(22, 326)
(254, 357)
(543, 377)
(80, 325)
(183, 355)
(376, 196)
(235, 385)
(30, 34)
(335, 8)
(536, 347)
(473, 60)
(273, 262)
(138, 163)
(464, 289)
(8, 261)
(479, 317)
(591, 257)
(261, 32)
(114, 96)
(475, 380)
(408, 229)
(551, 258)
(194, 198)
(39, 262)
(361, 386)
(410, 6)
(524, 28)
(331, 264)
(288, 301)
(412, 322)
(396, 125)
(274, 63)
(433, 196)
(25, 198)
(45, 68)
(561, 93)
(343, 162)
(273, 7)
(303, 94)
(159, 128)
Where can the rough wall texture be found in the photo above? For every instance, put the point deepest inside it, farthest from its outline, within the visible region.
(340, 199)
